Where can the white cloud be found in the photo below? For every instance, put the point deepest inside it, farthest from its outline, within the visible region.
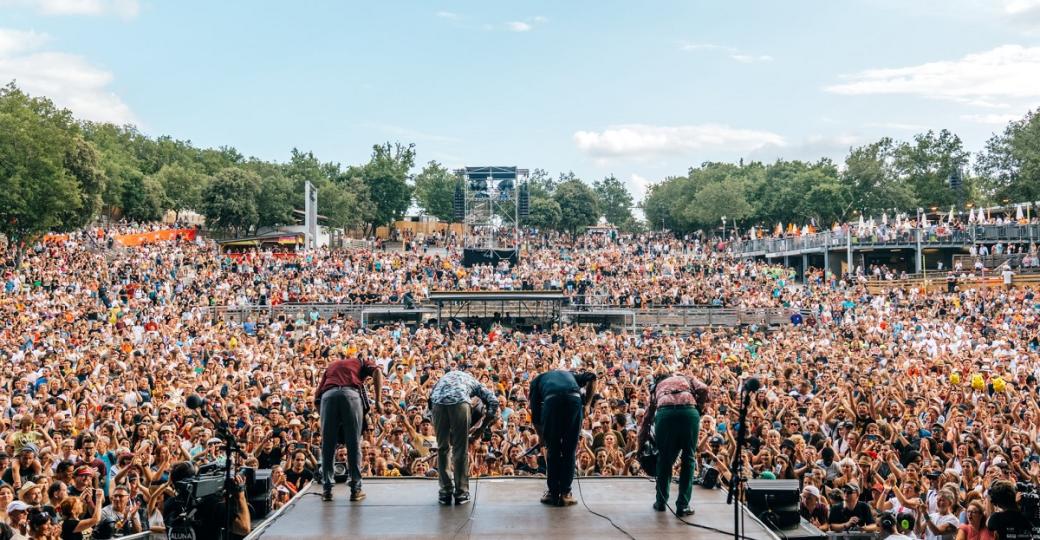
(518, 26)
(994, 119)
(638, 185)
(447, 15)
(540, 19)
(983, 79)
(685, 46)
(640, 141)
(67, 79)
(812, 148)
(1021, 7)
(898, 125)
(16, 41)
(126, 9)
(733, 52)
(750, 58)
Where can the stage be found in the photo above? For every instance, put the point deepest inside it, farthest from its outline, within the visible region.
(502, 508)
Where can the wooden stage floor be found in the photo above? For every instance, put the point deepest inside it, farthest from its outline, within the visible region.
(503, 508)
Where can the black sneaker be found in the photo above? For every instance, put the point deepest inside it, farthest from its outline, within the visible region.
(683, 512)
(659, 507)
(326, 496)
(462, 499)
(551, 499)
(444, 499)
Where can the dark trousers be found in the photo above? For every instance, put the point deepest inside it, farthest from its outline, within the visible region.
(341, 418)
(451, 424)
(675, 431)
(561, 422)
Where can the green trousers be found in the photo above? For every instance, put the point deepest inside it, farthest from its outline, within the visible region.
(675, 431)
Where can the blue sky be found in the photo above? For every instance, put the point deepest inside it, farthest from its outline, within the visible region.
(640, 90)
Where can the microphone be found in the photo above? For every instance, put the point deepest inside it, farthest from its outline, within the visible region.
(195, 401)
(751, 385)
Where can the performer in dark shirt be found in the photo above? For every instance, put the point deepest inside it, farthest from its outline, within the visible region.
(557, 408)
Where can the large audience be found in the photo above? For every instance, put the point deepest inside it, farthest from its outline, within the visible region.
(906, 400)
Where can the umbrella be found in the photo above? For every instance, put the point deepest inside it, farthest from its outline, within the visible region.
(1018, 213)
(971, 215)
(949, 219)
(751, 232)
(779, 230)
(884, 218)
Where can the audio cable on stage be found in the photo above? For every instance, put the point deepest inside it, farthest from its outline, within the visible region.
(472, 508)
(577, 479)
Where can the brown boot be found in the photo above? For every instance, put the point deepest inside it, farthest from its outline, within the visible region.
(567, 499)
(551, 499)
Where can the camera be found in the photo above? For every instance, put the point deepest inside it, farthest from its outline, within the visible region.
(1029, 502)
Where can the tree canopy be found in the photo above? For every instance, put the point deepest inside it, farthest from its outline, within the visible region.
(58, 173)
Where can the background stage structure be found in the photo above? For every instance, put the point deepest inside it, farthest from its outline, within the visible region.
(491, 201)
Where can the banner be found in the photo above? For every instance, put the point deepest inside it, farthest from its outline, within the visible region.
(152, 237)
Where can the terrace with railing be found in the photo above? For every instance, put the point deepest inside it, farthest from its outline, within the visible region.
(930, 237)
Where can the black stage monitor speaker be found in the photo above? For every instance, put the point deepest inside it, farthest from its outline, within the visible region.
(524, 203)
(258, 490)
(458, 203)
(775, 502)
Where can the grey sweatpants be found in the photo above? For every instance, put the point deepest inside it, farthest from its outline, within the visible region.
(341, 422)
(451, 423)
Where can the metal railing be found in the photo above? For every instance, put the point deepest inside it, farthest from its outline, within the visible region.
(658, 316)
(930, 237)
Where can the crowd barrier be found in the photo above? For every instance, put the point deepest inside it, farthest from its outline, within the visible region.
(649, 316)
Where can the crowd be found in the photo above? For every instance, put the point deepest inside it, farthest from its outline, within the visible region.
(905, 401)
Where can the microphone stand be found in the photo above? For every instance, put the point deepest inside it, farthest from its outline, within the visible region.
(231, 448)
(737, 480)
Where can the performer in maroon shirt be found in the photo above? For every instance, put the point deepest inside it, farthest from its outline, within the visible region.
(343, 402)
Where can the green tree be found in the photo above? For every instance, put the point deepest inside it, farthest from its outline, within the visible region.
(229, 201)
(725, 198)
(544, 214)
(181, 186)
(83, 162)
(1010, 163)
(662, 203)
(614, 201)
(142, 198)
(926, 164)
(578, 205)
(386, 178)
(38, 192)
(274, 202)
(541, 183)
(435, 191)
(872, 178)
